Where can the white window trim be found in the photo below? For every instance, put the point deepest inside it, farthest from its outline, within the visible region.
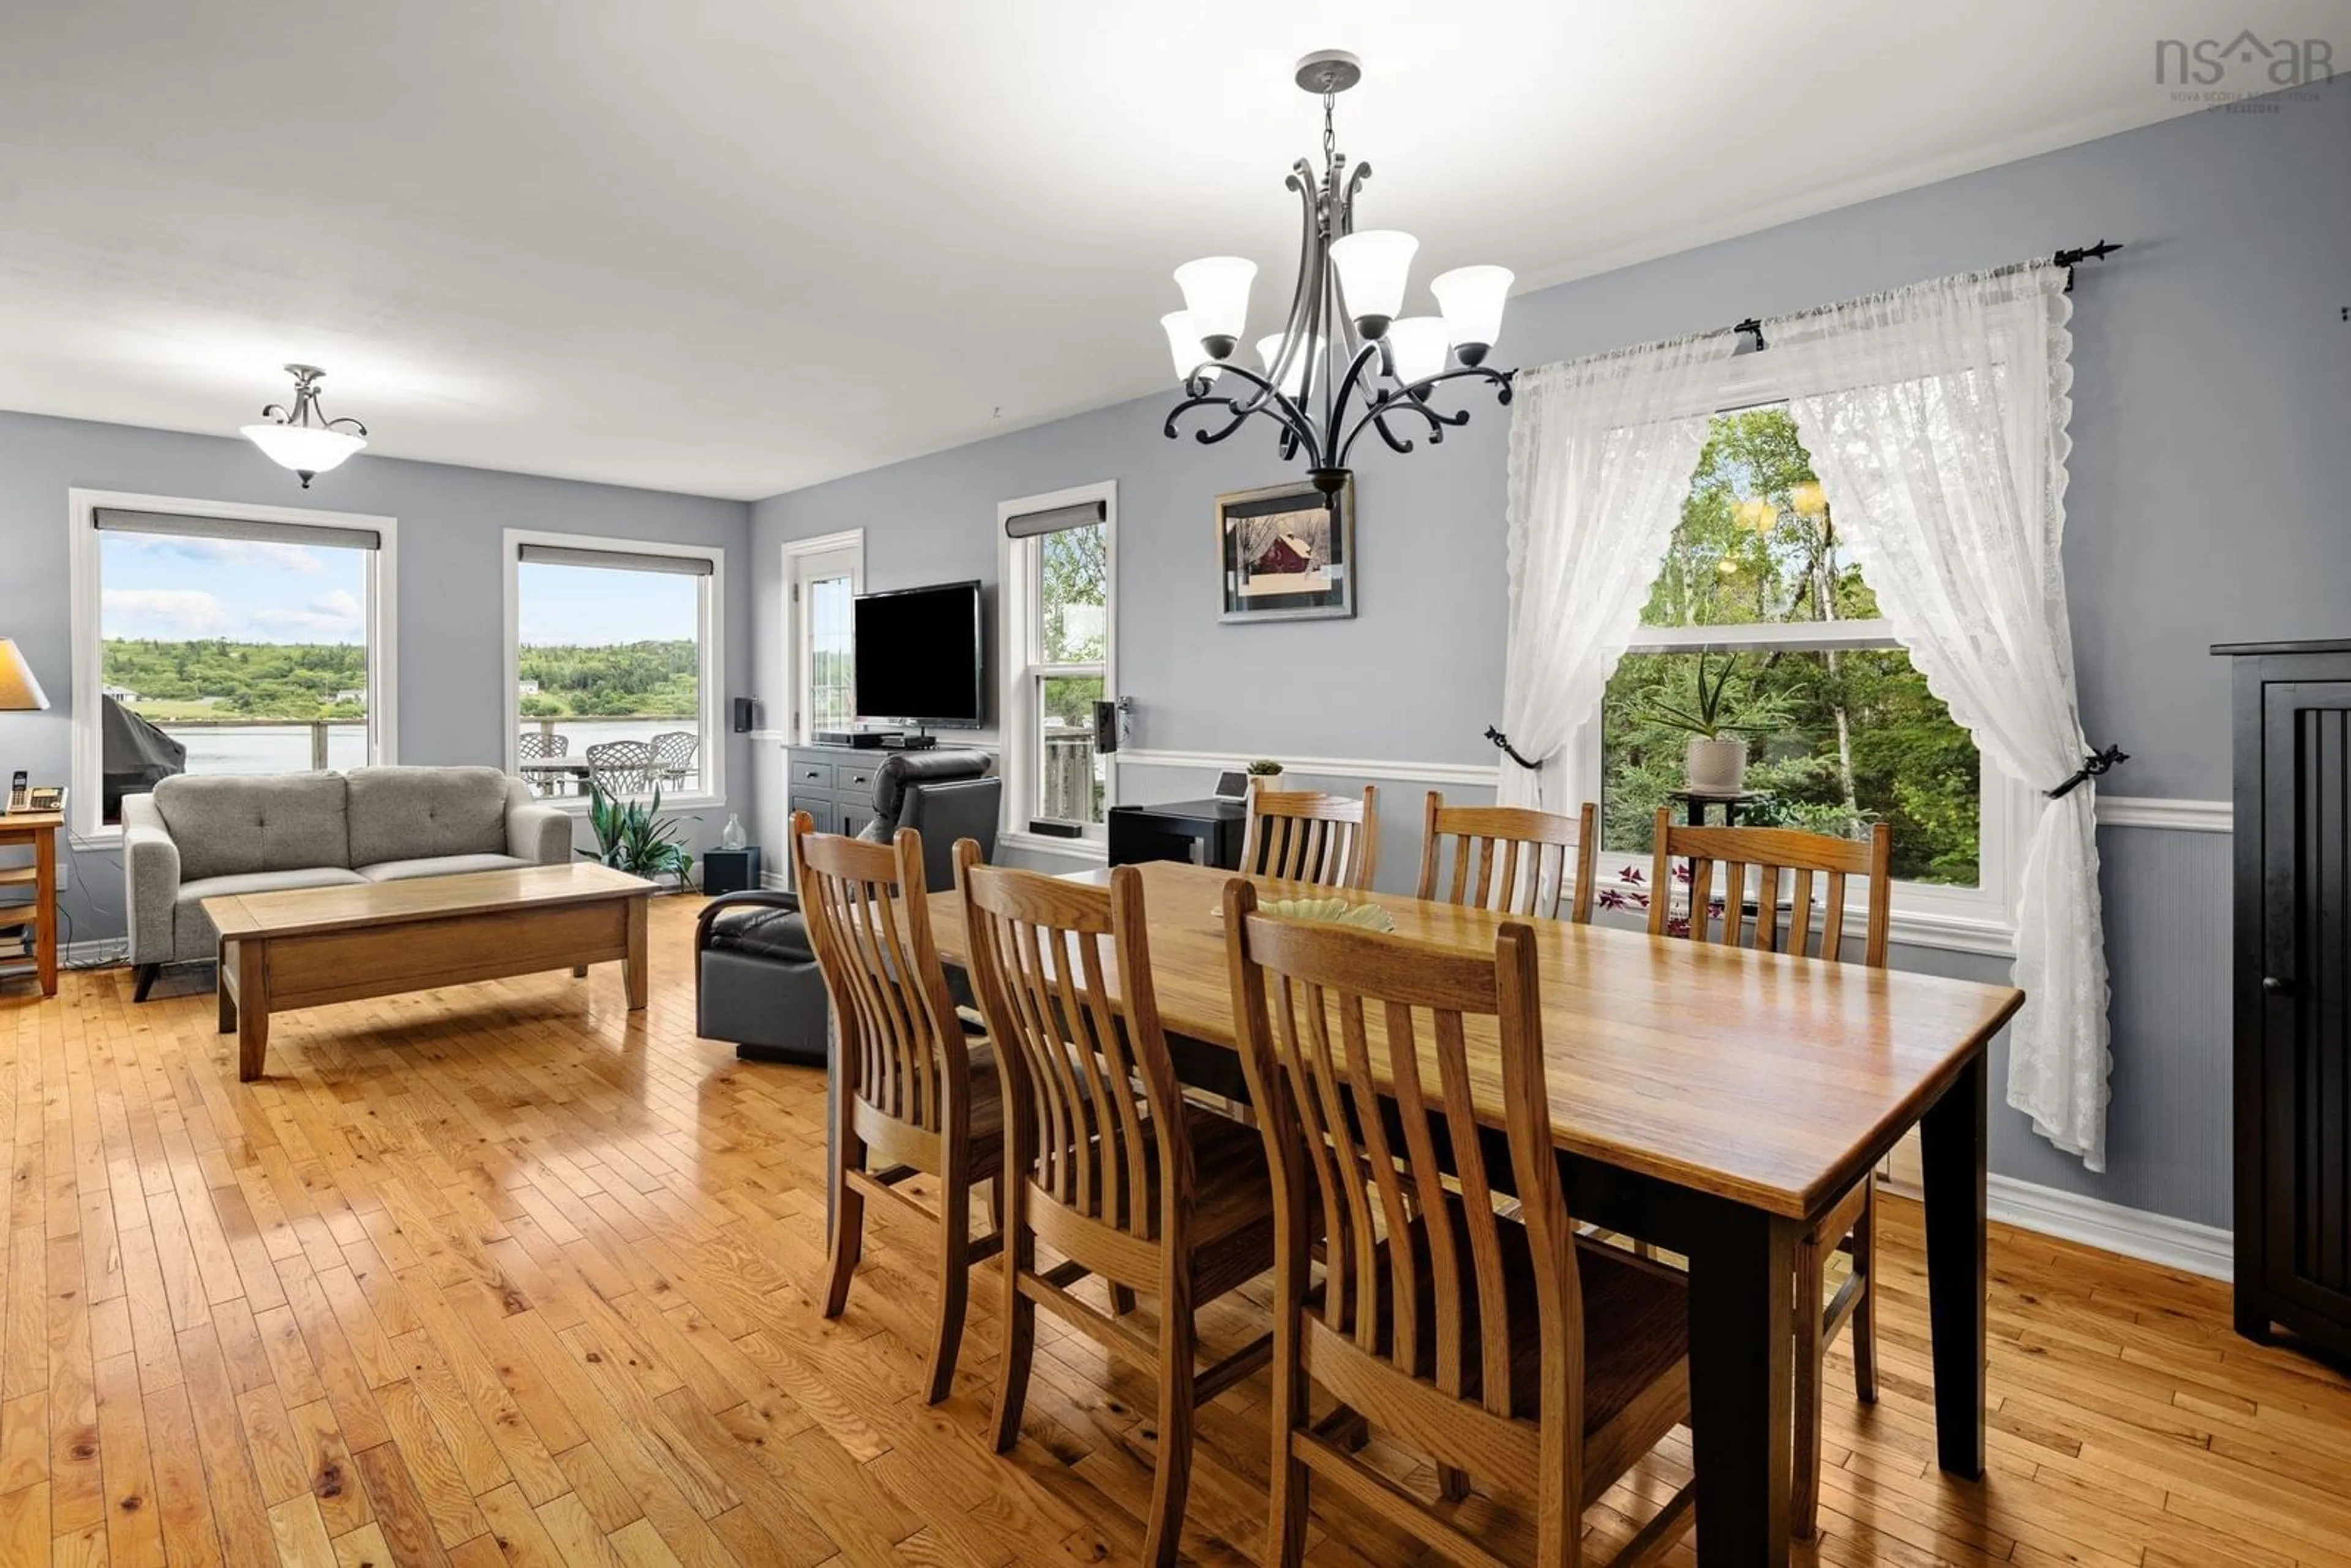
(85, 799)
(711, 679)
(1979, 919)
(795, 632)
(1018, 665)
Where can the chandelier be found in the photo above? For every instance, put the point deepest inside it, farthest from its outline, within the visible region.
(1347, 360)
(291, 440)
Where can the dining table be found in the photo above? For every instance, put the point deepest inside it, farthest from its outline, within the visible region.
(1710, 1099)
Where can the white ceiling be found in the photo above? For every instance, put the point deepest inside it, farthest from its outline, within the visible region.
(738, 248)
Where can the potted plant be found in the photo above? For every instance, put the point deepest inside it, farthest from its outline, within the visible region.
(1262, 773)
(632, 837)
(1717, 707)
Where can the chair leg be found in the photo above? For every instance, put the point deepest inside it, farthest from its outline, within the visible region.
(1864, 1305)
(143, 980)
(1122, 1300)
(954, 1283)
(1018, 1258)
(1804, 1506)
(1559, 1527)
(1172, 1483)
(848, 1225)
(1286, 1524)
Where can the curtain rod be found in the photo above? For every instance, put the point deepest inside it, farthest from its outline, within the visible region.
(2069, 259)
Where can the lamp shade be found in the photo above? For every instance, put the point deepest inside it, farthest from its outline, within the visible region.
(1216, 295)
(1417, 348)
(1373, 265)
(1184, 346)
(1472, 299)
(1269, 350)
(19, 692)
(303, 448)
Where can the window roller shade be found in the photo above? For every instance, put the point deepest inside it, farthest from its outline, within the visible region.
(614, 559)
(313, 535)
(1055, 520)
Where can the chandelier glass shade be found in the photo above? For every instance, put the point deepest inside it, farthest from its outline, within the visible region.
(303, 438)
(1347, 360)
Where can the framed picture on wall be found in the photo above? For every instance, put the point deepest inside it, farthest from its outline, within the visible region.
(1287, 553)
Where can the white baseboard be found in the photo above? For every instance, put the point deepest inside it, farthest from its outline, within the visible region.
(2159, 1239)
(95, 954)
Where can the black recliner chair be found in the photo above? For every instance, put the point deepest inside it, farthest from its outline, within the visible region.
(756, 979)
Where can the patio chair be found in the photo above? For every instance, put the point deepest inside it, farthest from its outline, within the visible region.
(624, 767)
(673, 754)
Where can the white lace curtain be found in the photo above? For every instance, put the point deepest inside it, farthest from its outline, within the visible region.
(1600, 453)
(1936, 419)
(1940, 431)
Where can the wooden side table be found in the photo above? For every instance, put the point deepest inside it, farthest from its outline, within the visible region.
(35, 830)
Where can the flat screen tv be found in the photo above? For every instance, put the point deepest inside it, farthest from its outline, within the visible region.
(918, 656)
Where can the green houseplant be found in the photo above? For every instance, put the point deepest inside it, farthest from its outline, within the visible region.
(1720, 709)
(632, 837)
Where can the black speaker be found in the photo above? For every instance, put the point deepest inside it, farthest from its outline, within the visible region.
(747, 715)
(1105, 727)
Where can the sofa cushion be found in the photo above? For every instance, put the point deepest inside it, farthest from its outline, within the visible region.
(193, 935)
(763, 932)
(232, 824)
(420, 813)
(440, 866)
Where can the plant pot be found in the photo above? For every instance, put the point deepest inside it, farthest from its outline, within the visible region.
(1717, 767)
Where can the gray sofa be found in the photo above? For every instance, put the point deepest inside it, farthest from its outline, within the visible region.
(198, 838)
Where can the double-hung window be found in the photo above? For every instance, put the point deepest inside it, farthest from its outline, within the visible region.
(212, 638)
(615, 668)
(1760, 620)
(1056, 608)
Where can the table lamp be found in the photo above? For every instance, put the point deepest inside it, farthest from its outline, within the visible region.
(19, 691)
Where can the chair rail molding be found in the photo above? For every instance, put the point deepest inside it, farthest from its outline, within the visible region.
(1472, 774)
(2178, 816)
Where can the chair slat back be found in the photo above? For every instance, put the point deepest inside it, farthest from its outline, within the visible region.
(622, 767)
(1093, 1101)
(1335, 1023)
(1510, 860)
(902, 1047)
(1304, 835)
(538, 744)
(673, 750)
(1720, 886)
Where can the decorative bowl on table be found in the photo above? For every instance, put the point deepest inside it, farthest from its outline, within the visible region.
(1330, 911)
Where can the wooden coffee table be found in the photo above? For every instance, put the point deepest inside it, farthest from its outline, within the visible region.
(304, 948)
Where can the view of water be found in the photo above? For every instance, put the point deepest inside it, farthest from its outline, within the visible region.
(286, 749)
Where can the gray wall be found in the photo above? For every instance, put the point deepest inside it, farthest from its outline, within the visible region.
(451, 586)
(2212, 382)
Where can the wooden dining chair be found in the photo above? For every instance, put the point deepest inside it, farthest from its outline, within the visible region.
(912, 1095)
(1499, 1346)
(1304, 835)
(1104, 1161)
(1510, 860)
(1726, 905)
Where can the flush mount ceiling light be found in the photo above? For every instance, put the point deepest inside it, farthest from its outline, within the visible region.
(304, 439)
(1346, 336)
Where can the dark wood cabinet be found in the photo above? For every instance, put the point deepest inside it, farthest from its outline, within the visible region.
(2293, 989)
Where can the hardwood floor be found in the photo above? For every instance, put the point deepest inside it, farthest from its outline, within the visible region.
(511, 1274)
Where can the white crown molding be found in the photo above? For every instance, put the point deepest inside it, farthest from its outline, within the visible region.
(2159, 1239)
(2179, 816)
(1478, 775)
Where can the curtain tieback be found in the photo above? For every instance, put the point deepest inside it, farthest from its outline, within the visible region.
(1502, 743)
(2097, 762)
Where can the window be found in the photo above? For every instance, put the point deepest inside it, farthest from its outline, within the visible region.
(1056, 608)
(1758, 606)
(822, 578)
(225, 640)
(616, 675)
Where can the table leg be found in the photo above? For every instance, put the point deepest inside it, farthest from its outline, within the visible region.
(251, 1009)
(45, 923)
(1953, 1152)
(632, 968)
(223, 992)
(1742, 1369)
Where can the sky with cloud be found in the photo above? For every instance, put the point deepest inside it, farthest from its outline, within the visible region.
(175, 589)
